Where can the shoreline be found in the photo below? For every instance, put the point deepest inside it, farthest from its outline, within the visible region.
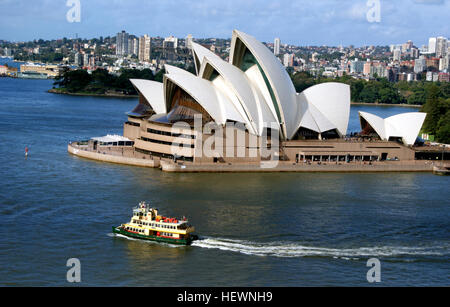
(56, 91)
(386, 104)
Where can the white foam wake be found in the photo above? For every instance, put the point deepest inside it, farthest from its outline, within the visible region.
(143, 241)
(297, 250)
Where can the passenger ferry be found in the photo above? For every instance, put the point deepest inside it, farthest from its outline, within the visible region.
(146, 224)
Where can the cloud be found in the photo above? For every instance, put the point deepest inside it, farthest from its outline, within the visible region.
(433, 2)
(299, 22)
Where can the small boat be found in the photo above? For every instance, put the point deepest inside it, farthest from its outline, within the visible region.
(441, 170)
(147, 224)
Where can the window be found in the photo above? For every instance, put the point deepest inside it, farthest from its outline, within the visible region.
(187, 136)
(167, 143)
(133, 124)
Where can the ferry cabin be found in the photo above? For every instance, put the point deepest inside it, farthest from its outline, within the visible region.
(148, 223)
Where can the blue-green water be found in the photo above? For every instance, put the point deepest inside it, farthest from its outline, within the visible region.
(258, 229)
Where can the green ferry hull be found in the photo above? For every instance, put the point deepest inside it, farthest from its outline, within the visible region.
(118, 230)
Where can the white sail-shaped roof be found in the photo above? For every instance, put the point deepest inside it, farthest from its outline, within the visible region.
(279, 82)
(266, 110)
(239, 86)
(406, 125)
(175, 70)
(199, 52)
(153, 92)
(253, 88)
(212, 100)
(377, 123)
(324, 107)
(311, 118)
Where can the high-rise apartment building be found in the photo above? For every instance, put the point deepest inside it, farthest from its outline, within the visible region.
(188, 41)
(78, 60)
(171, 42)
(432, 45)
(144, 48)
(397, 55)
(441, 47)
(276, 46)
(288, 60)
(133, 45)
(367, 67)
(86, 59)
(122, 43)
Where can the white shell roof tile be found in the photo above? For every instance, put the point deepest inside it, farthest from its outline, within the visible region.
(152, 91)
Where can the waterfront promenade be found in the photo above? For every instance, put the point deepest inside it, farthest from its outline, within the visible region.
(128, 156)
(119, 155)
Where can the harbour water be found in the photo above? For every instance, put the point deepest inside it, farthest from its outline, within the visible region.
(258, 229)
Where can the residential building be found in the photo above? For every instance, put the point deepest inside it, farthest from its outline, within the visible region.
(144, 48)
(367, 67)
(86, 58)
(122, 43)
(78, 59)
(356, 66)
(276, 46)
(420, 65)
(170, 42)
(288, 60)
(188, 41)
(432, 45)
(441, 47)
(397, 55)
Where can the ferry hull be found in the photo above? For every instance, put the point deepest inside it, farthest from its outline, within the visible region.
(118, 230)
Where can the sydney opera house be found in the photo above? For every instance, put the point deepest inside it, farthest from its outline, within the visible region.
(249, 111)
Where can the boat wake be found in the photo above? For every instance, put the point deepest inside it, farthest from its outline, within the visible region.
(122, 236)
(293, 250)
(143, 241)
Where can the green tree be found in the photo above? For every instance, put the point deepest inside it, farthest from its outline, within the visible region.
(302, 80)
(75, 80)
(369, 93)
(159, 75)
(443, 131)
(433, 108)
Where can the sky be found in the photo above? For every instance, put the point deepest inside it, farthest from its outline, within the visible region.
(298, 22)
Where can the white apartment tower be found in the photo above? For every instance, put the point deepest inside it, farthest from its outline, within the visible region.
(432, 45)
(188, 41)
(276, 46)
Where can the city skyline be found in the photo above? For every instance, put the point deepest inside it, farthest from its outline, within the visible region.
(294, 22)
